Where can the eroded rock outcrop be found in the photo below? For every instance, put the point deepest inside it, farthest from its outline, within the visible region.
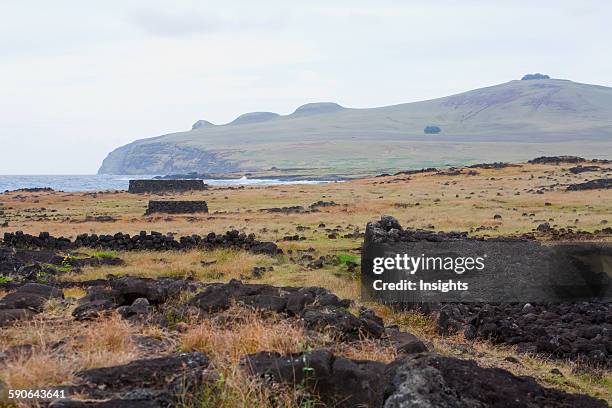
(430, 380)
(26, 301)
(424, 380)
(155, 382)
(337, 381)
(597, 184)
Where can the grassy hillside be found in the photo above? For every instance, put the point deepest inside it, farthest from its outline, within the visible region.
(512, 121)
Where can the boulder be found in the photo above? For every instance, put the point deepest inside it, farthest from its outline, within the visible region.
(337, 381)
(219, 296)
(406, 343)
(341, 321)
(93, 309)
(32, 296)
(155, 382)
(430, 380)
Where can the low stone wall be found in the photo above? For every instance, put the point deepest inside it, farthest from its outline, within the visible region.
(176, 207)
(154, 241)
(162, 186)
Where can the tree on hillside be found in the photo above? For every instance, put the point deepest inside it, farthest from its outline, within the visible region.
(432, 129)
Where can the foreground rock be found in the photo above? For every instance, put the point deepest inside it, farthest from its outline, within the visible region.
(425, 380)
(132, 297)
(156, 382)
(580, 331)
(430, 380)
(317, 307)
(337, 381)
(26, 301)
(389, 230)
(43, 266)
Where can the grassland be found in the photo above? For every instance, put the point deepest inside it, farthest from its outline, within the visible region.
(428, 200)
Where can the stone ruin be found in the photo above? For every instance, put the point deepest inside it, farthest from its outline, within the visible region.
(162, 186)
(176, 207)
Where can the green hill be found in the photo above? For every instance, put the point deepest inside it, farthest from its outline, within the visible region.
(516, 120)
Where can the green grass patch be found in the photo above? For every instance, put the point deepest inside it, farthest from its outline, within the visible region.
(345, 258)
(5, 279)
(104, 254)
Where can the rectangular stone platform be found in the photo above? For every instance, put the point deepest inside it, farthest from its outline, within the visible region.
(162, 186)
(177, 207)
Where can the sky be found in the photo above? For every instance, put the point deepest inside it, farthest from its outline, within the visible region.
(81, 78)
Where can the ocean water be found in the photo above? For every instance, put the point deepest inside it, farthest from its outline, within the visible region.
(114, 182)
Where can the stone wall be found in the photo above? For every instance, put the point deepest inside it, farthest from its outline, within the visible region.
(161, 186)
(176, 207)
(153, 241)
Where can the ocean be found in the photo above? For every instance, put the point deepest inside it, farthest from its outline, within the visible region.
(115, 182)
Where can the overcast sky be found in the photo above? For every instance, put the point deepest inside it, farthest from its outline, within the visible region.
(80, 78)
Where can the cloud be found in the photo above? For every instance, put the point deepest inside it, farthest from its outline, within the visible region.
(176, 23)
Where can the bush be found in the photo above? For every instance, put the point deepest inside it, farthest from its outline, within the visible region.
(432, 129)
(530, 77)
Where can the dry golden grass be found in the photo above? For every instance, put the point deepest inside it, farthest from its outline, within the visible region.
(235, 333)
(238, 332)
(209, 266)
(61, 348)
(446, 202)
(40, 369)
(74, 293)
(105, 343)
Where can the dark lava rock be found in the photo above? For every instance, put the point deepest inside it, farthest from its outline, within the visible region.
(31, 190)
(25, 265)
(219, 296)
(544, 227)
(93, 309)
(583, 169)
(31, 296)
(556, 160)
(176, 207)
(321, 204)
(152, 382)
(596, 184)
(317, 307)
(337, 381)
(405, 343)
(340, 320)
(130, 294)
(494, 165)
(434, 381)
(153, 241)
(579, 331)
(296, 209)
(409, 172)
(425, 380)
(389, 230)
